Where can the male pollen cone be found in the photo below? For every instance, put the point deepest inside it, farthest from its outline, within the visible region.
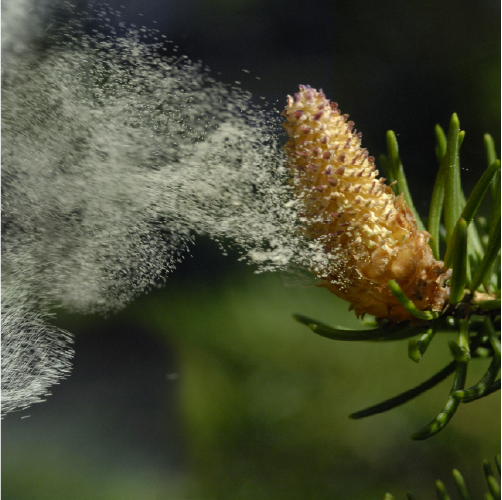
(368, 235)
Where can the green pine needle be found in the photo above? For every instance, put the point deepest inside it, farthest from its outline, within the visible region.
(458, 261)
(397, 172)
(493, 485)
(436, 207)
(399, 331)
(461, 486)
(491, 253)
(409, 305)
(449, 409)
(490, 331)
(388, 172)
(417, 348)
(406, 396)
(451, 168)
(489, 304)
(491, 156)
(441, 492)
(478, 390)
(435, 211)
(479, 191)
(441, 143)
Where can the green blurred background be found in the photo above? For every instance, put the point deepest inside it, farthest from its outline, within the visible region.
(207, 388)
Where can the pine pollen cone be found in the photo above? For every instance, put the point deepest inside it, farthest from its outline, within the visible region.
(367, 235)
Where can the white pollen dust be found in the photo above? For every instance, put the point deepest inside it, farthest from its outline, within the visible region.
(114, 158)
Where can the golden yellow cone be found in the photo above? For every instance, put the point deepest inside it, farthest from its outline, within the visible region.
(368, 236)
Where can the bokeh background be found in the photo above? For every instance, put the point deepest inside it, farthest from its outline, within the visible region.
(207, 388)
